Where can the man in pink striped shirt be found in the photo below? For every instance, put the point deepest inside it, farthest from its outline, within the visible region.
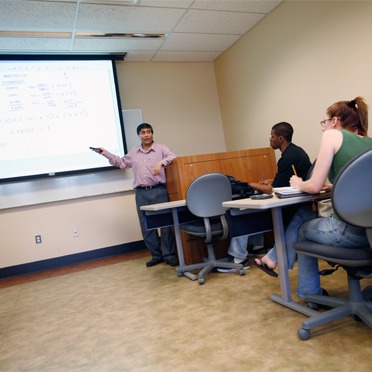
(148, 162)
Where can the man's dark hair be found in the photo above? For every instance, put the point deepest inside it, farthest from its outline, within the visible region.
(144, 126)
(284, 129)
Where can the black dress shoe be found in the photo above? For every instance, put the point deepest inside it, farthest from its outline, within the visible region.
(172, 261)
(154, 261)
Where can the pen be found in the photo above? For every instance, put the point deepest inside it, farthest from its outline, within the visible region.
(294, 170)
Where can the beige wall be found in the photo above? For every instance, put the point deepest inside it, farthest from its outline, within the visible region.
(300, 59)
(181, 101)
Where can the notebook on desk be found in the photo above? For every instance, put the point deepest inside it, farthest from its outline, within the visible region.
(288, 192)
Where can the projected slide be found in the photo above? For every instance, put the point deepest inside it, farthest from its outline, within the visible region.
(51, 111)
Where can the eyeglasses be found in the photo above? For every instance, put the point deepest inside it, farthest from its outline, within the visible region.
(322, 122)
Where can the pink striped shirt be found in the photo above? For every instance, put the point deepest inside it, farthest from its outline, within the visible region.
(143, 162)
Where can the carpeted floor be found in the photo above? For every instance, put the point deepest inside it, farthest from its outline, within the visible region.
(121, 316)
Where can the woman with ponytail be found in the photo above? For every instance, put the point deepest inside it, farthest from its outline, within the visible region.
(345, 135)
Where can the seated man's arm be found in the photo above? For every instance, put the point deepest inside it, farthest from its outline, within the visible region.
(327, 187)
(268, 181)
(262, 187)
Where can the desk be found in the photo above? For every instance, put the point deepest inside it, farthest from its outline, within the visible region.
(156, 216)
(243, 206)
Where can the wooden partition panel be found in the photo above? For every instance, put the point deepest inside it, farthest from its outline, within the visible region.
(245, 165)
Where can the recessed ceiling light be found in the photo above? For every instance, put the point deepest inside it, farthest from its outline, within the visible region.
(120, 35)
(111, 2)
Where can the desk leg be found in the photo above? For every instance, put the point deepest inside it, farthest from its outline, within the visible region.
(177, 233)
(286, 298)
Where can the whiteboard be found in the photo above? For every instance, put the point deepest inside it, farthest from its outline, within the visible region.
(47, 190)
(50, 113)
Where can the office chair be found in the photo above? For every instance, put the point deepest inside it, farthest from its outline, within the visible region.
(204, 198)
(352, 202)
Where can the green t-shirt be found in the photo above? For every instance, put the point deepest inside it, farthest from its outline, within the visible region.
(351, 146)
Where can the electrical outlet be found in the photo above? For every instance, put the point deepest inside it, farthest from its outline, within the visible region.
(38, 239)
(75, 233)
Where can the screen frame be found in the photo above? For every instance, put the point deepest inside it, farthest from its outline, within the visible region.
(72, 57)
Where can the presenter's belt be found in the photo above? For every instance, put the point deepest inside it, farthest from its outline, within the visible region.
(150, 187)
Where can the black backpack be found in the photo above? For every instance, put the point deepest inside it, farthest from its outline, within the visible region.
(240, 189)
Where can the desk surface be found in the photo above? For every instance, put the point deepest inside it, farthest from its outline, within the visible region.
(162, 206)
(240, 203)
(265, 203)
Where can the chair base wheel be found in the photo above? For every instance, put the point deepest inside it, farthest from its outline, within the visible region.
(303, 333)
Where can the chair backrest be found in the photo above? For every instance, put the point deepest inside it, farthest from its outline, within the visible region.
(205, 195)
(311, 170)
(352, 192)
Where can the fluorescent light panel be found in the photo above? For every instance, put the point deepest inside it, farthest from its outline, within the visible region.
(81, 34)
(121, 35)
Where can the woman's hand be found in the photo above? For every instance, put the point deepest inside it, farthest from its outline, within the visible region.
(295, 182)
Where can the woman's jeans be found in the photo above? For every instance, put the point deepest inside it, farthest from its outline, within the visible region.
(302, 215)
(238, 245)
(328, 231)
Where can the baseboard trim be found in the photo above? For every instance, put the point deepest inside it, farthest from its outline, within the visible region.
(72, 259)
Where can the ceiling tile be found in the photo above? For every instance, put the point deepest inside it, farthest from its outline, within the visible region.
(36, 15)
(217, 22)
(34, 44)
(88, 44)
(199, 42)
(255, 6)
(166, 3)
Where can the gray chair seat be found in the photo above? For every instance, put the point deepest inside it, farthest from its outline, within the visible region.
(339, 255)
(197, 228)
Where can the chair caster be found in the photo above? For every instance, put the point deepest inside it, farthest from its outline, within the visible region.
(179, 273)
(303, 333)
(241, 272)
(201, 280)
